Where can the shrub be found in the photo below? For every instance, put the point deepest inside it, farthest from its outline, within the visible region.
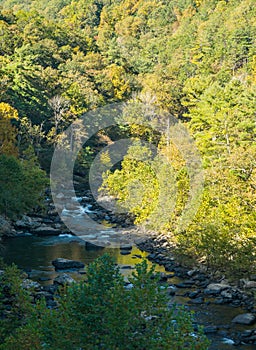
(102, 314)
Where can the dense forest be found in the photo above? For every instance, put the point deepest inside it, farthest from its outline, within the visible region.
(193, 59)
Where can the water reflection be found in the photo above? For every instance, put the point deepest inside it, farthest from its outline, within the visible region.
(35, 254)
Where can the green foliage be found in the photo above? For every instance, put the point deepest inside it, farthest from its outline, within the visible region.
(21, 185)
(15, 302)
(195, 59)
(146, 180)
(101, 314)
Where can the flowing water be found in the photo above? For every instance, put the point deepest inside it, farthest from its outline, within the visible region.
(35, 255)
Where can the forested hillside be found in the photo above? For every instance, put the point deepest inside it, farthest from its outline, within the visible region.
(195, 59)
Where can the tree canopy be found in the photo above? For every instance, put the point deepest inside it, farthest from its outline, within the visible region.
(194, 59)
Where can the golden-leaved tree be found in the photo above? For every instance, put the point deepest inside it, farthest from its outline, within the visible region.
(8, 130)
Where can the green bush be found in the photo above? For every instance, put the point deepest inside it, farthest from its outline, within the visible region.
(15, 302)
(102, 314)
(22, 184)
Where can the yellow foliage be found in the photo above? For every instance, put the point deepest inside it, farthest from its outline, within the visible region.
(7, 130)
(118, 78)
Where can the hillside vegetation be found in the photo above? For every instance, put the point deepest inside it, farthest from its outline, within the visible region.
(195, 59)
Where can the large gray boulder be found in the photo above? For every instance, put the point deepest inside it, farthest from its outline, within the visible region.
(63, 279)
(216, 288)
(65, 264)
(26, 223)
(247, 319)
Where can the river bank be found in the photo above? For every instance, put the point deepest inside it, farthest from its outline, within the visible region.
(35, 255)
(194, 287)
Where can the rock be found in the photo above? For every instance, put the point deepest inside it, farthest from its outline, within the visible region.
(128, 286)
(185, 284)
(31, 285)
(163, 277)
(219, 301)
(127, 267)
(137, 256)
(152, 256)
(126, 247)
(44, 279)
(247, 319)
(63, 279)
(140, 241)
(125, 252)
(226, 294)
(235, 303)
(194, 294)
(247, 333)
(60, 196)
(171, 290)
(168, 267)
(63, 264)
(50, 288)
(228, 341)
(27, 223)
(210, 329)
(71, 206)
(47, 231)
(93, 246)
(52, 212)
(216, 288)
(5, 227)
(191, 273)
(250, 284)
(198, 300)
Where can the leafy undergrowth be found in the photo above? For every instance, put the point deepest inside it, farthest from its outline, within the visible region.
(99, 313)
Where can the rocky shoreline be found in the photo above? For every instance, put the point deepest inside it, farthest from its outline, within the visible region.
(198, 285)
(195, 285)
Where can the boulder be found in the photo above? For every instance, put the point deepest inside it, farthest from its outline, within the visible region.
(31, 285)
(216, 288)
(63, 279)
(60, 196)
(46, 231)
(26, 223)
(250, 284)
(125, 252)
(226, 294)
(94, 246)
(247, 319)
(210, 329)
(64, 264)
(126, 247)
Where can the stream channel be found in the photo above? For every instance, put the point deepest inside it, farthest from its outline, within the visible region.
(35, 254)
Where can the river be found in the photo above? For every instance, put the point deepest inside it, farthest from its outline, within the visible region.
(34, 254)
